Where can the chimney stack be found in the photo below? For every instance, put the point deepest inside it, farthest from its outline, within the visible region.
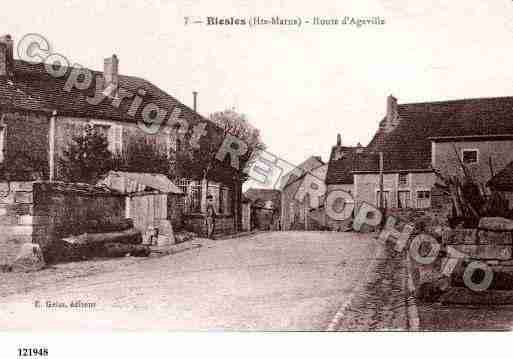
(339, 140)
(195, 100)
(392, 116)
(6, 56)
(111, 72)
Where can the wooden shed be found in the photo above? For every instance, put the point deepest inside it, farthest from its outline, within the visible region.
(147, 197)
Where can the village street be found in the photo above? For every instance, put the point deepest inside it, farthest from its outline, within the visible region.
(267, 281)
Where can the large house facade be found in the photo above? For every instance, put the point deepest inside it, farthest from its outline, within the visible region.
(419, 139)
(40, 113)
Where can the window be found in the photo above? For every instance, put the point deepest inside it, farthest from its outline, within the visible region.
(2, 142)
(423, 199)
(403, 179)
(403, 199)
(386, 199)
(469, 156)
(192, 190)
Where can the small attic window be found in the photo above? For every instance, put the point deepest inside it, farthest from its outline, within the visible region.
(470, 156)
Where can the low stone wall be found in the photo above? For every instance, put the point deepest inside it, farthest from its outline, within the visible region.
(41, 212)
(62, 210)
(16, 218)
(196, 223)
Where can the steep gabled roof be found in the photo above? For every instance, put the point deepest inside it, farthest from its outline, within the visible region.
(408, 146)
(341, 165)
(33, 88)
(304, 167)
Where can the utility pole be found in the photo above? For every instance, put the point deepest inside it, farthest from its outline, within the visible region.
(381, 188)
(51, 147)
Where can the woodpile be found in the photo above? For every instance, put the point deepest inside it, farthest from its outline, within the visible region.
(121, 242)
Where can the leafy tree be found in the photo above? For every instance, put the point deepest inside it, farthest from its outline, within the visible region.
(87, 158)
(200, 161)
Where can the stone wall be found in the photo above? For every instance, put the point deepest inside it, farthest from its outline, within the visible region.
(16, 218)
(196, 224)
(41, 212)
(62, 210)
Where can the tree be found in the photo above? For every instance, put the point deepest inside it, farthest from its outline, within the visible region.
(237, 125)
(87, 158)
(200, 161)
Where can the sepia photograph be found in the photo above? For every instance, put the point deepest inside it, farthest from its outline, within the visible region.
(255, 167)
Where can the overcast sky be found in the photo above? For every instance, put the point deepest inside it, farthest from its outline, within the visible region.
(300, 86)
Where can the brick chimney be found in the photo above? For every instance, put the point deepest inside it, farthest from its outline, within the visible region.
(195, 101)
(6, 56)
(391, 119)
(111, 72)
(339, 140)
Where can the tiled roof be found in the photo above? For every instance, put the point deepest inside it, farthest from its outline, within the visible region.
(408, 146)
(32, 88)
(302, 169)
(340, 166)
(132, 182)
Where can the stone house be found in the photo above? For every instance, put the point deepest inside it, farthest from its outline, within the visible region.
(265, 208)
(298, 214)
(418, 139)
(340, 176)
(40, 112)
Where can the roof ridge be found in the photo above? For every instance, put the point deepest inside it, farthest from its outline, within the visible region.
(461, 100)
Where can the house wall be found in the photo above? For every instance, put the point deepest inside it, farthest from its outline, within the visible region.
(129, 134)
(332, 223)
(295, 213)
(25, 152)
(27, 145)
(292, 210)
(26, 142)
(367, 186)
(16, 218)
(445, 160)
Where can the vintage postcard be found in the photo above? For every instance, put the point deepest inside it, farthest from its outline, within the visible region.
(256, 166)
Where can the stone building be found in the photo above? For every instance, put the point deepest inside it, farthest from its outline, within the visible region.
(43, 106)
(418, 139)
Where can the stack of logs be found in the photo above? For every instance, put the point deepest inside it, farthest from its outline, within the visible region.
(121, 240)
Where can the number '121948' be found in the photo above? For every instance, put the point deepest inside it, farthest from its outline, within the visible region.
(32, 352)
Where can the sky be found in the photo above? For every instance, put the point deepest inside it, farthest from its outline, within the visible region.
(299, 85)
